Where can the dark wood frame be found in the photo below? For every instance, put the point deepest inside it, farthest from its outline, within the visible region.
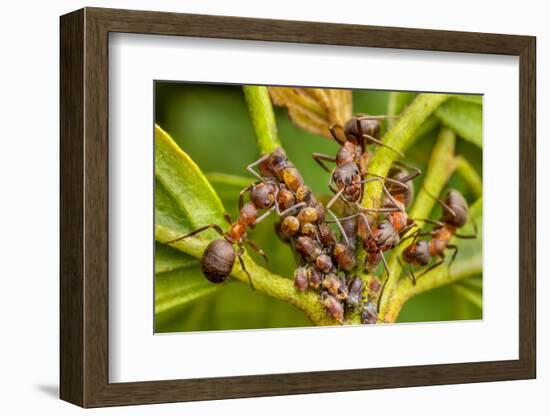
(84, 207)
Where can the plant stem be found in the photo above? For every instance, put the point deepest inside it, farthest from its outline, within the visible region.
(470, 175)
(399, 138)
(469, 294)
(440, 276)
(263, 280)
(263, 117)
(440, 168)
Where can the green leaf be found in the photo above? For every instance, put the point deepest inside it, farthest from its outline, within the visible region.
(176, 289)
(167, 259)
(464, 117)
(185, 184)
(196, 203)
(471, 295)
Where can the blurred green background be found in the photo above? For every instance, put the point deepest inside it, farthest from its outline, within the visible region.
(211, 124)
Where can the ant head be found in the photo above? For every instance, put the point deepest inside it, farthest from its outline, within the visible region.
(458, 204)
(346, 175)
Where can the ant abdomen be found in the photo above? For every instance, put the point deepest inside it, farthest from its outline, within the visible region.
(458, 204)
(356, 127)
(217, 261)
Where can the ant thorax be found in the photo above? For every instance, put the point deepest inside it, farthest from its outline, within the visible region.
(441, 237)
(348, 153)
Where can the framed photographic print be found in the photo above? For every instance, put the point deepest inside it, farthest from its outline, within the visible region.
(260, 207)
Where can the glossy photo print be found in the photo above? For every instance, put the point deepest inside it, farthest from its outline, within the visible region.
(279, 207)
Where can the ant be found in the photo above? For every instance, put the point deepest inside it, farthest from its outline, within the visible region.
(219, 256)
(348, 177)
(421, 252)
(390, 231)
(277, 164)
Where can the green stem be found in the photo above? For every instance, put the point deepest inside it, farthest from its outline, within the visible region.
(470, 175)
(263, 280)
(469, 294)
(263, 117)
(440, 168)
(438, 277)
(399, 137)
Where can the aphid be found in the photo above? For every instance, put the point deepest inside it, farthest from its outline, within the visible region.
(290, 226)
(315, 277)
(308, 248)
(326, 236)
(369, 314)
(324, 263)
(333, 307)
(349, 176)
(421, 252)
(344, 256)
(355, 293)
(335, 286)
(219, 257)
(301, 280)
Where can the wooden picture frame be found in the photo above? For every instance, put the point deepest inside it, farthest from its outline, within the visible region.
(84, 207)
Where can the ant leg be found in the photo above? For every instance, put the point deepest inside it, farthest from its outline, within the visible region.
(241, 194)
(216, 228)
(411, 176)
(319, 158)
(410, 270)
(339, 225)
(290, 209)
(254, 246)
(240, 256)
(380, 143)
(405, 230)
(264, 215)
(429, 221)
(362, 116)
(385, 263)
(453, 257)
(334, 198)
(440, 202)
(228, 217)
(402, 186)
(467, 237)
(250, 167)
(429, 269)
(397, 206)
(339, 139)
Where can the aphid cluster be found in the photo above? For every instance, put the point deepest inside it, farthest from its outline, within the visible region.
(326, 262)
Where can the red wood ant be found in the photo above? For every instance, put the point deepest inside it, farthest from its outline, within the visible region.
(348, 178)
(219, 256)
(421, 252)
(397, 223)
